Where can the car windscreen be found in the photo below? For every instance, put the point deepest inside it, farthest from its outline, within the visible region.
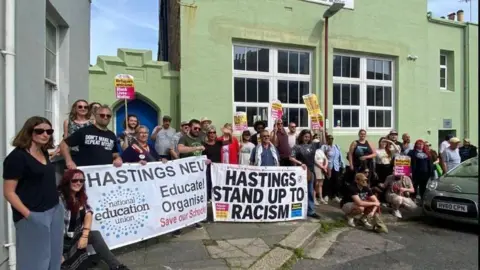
(468, 168)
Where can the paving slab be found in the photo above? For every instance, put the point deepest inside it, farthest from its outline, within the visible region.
(273, 260)
(174, 252)
(300, 236)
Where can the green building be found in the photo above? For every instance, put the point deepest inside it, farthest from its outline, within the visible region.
(390, 65)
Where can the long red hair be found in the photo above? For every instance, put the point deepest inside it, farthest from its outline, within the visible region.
(65, 190)
(425, 148)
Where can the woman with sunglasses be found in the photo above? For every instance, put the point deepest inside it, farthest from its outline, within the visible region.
(139, 150)
(213, 151)
(230, 147)
(78, 223)
(93, 109)
(30, 187)
(78, 118)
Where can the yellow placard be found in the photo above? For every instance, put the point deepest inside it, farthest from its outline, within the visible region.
(311, 102)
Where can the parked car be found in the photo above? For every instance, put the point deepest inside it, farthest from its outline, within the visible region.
(454, 196)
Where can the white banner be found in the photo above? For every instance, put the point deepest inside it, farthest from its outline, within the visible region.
(134, 202)
(243, 193)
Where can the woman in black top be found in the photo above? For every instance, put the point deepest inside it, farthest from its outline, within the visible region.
(213, 150)
(361, 150)
(30, 187)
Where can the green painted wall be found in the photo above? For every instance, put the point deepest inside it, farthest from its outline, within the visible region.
(155, 83)
(396, 29)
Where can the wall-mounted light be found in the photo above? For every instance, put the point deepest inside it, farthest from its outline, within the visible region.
(412, 57)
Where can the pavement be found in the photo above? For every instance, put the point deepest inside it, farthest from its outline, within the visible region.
(238, 245)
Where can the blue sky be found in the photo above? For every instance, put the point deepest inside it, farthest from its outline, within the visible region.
(134, 23)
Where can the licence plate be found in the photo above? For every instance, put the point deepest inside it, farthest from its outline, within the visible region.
(452, 207)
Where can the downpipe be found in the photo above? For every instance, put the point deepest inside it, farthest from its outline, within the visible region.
(466, 82)
(9, 55)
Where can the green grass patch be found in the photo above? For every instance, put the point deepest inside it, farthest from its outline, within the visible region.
(328, 226)
(298, 254)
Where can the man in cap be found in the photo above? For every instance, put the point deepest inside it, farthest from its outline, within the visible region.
(184, 129)
(204, 123)
(468, 150)
(397, 146)
(162, 136)
(451, 156)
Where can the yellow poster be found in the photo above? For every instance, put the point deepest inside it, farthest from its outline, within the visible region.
(240, 121)
(311, 102)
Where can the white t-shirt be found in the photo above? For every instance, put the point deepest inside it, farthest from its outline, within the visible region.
(245, 153)
(320, 158)
(292, 139)
(382, 157)
(451, 158)
(444, 145)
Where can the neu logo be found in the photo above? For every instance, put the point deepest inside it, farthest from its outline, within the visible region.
(121, 212)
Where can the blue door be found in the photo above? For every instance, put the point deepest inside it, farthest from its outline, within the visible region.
(147, 115)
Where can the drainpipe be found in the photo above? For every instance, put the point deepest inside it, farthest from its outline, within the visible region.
(325, 77)
(466, 82)
(9, 54)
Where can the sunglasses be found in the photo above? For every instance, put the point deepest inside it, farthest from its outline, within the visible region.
(81, 107)
(212, 132)
(103, 115)
(40, 131)
(196, 129)
(74, 181)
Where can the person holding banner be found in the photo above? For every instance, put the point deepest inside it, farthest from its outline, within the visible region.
(139, 150)
(213, 151)
(246, 148)
(230, 146)
(265, 153)
(162, 136)
(191, 144)
(78, 223)
(258, 126)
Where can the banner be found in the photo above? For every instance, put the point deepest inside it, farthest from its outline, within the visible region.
(240, 121)
(401, 166)
(134, 202)
(242, 193)
(124, 86)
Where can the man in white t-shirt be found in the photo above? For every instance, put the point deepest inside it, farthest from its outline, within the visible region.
(451, 156)
(292, 134)
(445, 144)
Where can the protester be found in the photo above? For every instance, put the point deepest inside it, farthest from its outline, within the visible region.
(383, 160)
(359, 200)
(77, 118)
(321, 167)
(265, 153)
(292, 134)
(316, 138)
(184, 129)
(332, 186)
(395, 147)
(130, 125)
(361, 150)
(406, 145)
(303, 154)
(451, 156)
(204, 123)
(398, 190)
(280, 140)
(258, 126)
(191, 144)
(139, 150)
(97, 144)
(246, 148)
(30, 187)
(445, 144)
(467, 150)
(230, 146)
(437, 168)
(213, 151)
(93, 109)
(421, 167)
(162, 136)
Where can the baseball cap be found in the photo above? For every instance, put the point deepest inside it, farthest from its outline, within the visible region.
(393, 131)
(205, 119)
(183, 123)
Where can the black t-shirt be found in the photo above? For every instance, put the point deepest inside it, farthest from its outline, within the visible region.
(213, 152)
(37, 185)
(96, 146)
(364, 193)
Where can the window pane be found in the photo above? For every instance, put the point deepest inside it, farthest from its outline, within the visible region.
(282, 91)
(387, 96)
(355, 94)
(304, 63)
(241, 109)
(355, 67)
(346, 116)
(371, 118)
(345, 94)
(443, 60)
(337, 66)
(387, 70)
(252, 115)
(304, 89)
(263, 60)
(251, 90)
(293, 62)
(370, 69)
(388, 119)
(337, 118)
(294, 116)
(282, 61)
(346, 66)
(355, 118)
(337, 94)
(303, 117)
(293, 92)
(239, 90)
(50, 66)
(379, 119)
(378, 70)
(263, 91)
(442, 73)
(252, 59)
(378, 96)
(239, 58)
(442, 83)
(51, 37)
(263, 113)
(370, 95)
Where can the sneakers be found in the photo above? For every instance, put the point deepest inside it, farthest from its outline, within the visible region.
(397, 213)
(365, 222)
(323, 202)
(314, 215)
(325, 198)
(350, 221)
(317, 202)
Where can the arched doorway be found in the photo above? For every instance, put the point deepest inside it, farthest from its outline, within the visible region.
(146, 113)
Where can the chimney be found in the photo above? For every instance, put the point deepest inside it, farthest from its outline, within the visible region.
(451, 16)
(460, 15)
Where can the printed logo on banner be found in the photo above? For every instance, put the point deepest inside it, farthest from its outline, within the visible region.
(296, 210)
(122, 212)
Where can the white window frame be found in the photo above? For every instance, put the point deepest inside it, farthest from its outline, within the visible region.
(446, 71)
(53, 84)
(363, 82)
(273, 76)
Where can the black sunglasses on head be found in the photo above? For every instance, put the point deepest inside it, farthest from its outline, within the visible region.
(40, 131)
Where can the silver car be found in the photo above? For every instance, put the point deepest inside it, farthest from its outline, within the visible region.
(454, 196)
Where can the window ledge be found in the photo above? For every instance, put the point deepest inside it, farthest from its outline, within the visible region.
(446, 91)
(350, 132)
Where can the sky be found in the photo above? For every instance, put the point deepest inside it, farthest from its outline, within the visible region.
(134, 23)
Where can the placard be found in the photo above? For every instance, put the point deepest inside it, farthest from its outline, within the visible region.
(402, 166)
(311, 102)
(277, 110)
(240, 121)
(124, 86)
(134, 202)
(244, 193)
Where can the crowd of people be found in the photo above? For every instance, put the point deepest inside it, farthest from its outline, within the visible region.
(53, 222)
